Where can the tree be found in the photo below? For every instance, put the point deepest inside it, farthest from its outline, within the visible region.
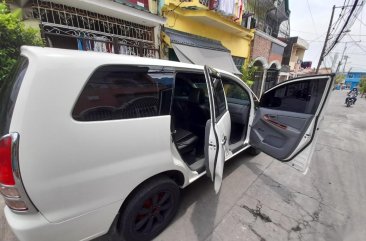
(248, 74)
(340, 78)
(13, 34)
(363, 85)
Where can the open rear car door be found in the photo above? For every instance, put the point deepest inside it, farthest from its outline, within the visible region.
(217, 132)
(287, 121)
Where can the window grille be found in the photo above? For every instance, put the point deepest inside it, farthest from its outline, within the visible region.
(126, 37)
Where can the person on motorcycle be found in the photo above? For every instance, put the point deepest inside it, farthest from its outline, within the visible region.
(352, 95)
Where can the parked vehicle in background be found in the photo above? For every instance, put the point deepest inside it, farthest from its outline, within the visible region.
(92, 138)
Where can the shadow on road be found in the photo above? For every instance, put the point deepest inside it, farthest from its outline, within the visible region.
(201, 195)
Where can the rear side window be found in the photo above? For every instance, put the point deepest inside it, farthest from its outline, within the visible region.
(9, 93)
(301, 97)
(124, 92)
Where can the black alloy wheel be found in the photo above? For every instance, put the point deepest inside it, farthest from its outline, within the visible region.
(150, 210)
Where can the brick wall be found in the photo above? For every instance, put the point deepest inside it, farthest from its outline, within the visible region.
(277, 57)
(261, 47)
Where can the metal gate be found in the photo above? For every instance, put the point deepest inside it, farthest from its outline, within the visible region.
(258, 78)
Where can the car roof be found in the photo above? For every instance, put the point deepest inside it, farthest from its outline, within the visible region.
(44, 52)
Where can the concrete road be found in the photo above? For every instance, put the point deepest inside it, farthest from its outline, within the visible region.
(262, 199)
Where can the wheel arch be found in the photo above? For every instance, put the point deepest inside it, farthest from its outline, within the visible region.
(175, 175)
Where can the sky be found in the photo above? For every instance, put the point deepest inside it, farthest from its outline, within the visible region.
(309, 20)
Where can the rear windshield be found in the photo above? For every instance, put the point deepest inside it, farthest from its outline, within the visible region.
(9, 93)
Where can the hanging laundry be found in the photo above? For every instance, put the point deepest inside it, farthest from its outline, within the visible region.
(80, 44)
(100, 46)
(88, 45)
(110, 48)
(123, 49)
(238, 10)
(226, 7)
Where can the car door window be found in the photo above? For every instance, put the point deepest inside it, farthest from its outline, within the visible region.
(300, 97)
(124, 92)
(235, 93)
(219, 97)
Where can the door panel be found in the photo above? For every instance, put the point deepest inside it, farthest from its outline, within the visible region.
(217, 129)
(238, 113)
(278, 132)
(286, 123)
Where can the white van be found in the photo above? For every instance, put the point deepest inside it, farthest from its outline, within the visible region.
(94, 141)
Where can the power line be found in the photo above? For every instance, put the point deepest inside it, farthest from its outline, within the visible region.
(358, 45)
(311, 14)
(339, 34)
(355, 10)
(361, 22)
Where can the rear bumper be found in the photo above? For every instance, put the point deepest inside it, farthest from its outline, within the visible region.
(34, 227)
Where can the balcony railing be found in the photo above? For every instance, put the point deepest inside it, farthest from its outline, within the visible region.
(192, 4)
(205, 2)
(89, 28)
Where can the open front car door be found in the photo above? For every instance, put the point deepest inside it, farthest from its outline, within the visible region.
(287, 121)
(217, 132)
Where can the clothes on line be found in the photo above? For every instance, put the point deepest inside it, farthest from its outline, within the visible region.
(231, 8)
(95, 45)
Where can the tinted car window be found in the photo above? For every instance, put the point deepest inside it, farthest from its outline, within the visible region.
(219, 97)
(182, 89)
(300, 97)
(9, 93)
(235, 93)
(124, 92)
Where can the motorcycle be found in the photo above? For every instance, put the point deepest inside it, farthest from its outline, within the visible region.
(350, 101)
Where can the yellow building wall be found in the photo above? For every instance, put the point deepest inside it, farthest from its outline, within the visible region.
(239, 46)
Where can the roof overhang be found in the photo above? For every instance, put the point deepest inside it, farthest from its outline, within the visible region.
(182, 38)
(201, 56)
(117, 10)
(213, 19)
(270, 38)
(300, 43)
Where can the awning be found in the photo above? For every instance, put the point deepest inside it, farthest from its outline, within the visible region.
(212, 58)
(195, 49)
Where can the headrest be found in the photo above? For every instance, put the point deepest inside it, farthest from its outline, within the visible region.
(197, 96)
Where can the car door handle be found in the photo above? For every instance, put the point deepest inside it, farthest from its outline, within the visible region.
(269, 119)
(212, 145)
(223, 141)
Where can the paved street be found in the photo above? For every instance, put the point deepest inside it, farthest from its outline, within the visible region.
(262, 199)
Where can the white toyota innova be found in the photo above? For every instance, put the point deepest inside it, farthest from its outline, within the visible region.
(92, 141)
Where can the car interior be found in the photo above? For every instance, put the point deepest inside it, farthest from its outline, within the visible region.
(191, 111)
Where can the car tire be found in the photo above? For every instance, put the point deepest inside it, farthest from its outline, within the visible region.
(150, 210)
(253, 151)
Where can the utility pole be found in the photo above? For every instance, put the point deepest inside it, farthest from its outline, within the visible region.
(342, 56)
(326, 41)
(334, 61)
(345, 62)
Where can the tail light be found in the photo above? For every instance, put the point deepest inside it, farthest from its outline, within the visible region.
(11, 186)
(6, 172)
